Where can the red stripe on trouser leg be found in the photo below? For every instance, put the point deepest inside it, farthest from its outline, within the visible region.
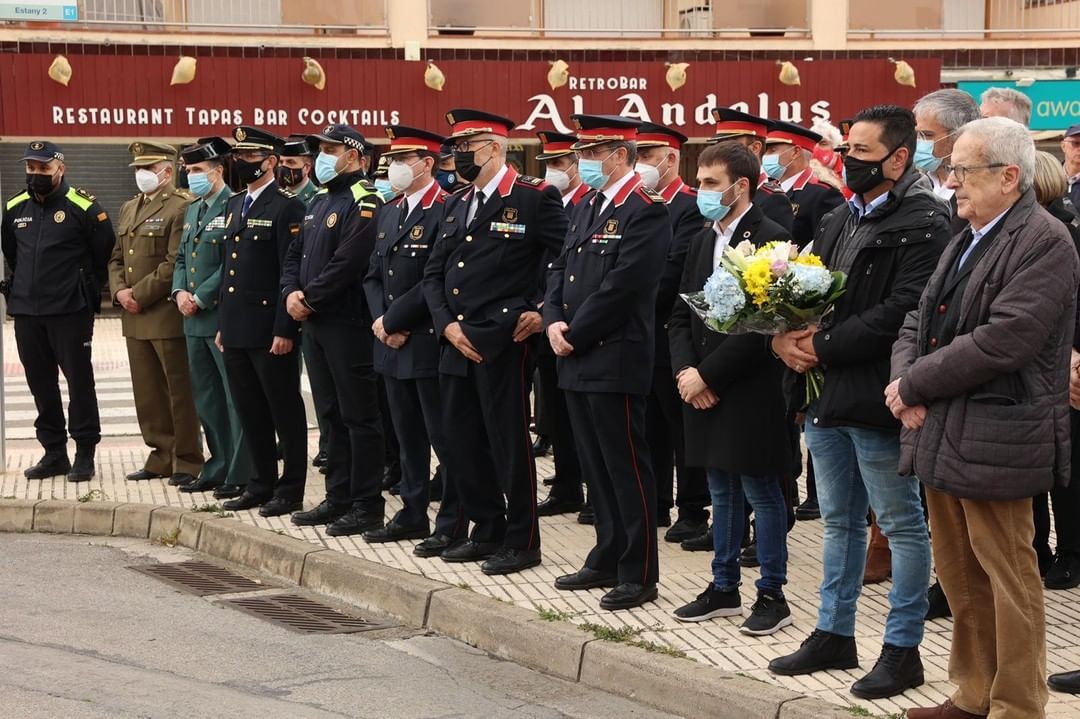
(641, 489)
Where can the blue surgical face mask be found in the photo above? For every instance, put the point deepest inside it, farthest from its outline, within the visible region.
(384, 188)
(199, 183)
(326, 167)
(592, 172)
(447, 179)
(772, 167)
(925, 159)
(711, 203)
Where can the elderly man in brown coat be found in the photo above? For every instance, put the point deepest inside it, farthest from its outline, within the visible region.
(981, 384)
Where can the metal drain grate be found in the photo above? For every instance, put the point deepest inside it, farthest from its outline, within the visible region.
(199, 578)
(301, 614)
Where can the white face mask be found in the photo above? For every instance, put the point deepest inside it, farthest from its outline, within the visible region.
(558, 178)
(400, 174)
(147, 181)
(650, 175)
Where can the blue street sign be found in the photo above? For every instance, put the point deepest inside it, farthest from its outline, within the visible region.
(40, 11)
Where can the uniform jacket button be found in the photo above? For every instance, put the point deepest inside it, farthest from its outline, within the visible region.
(232, 289)
(461, 264)
(131, 252)
(468, 238)
(933, 341)
(815, 420)
(391, 273)
(460, 317)
(456, 291)
(942, 309)
(390, 297)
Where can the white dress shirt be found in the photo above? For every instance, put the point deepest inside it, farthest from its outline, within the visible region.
(414, 199)
(724, 235)
(487, 190)
(609, 193)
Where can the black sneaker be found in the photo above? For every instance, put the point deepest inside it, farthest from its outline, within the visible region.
(709, 604)
(748, 556)
(354, 522)
(939, 603)
(684, 529)
(808, 510)
(821, 650)
(1064, 572)
(768, 615)
(701, 543)
(896, 670)
(54, 463)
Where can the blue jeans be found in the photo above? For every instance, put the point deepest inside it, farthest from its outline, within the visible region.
(856, 468)
(767, 498)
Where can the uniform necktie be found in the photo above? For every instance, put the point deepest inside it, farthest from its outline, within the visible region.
(247, 206)
(479, 207)
(403, 214)
(202, 211)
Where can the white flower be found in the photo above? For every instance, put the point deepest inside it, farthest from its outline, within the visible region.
(746, 248)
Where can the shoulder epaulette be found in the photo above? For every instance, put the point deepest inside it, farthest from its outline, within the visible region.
(361, 190)
(529, 180)
(321, 191)
(80, 198)
(17, 199)
(185, 193)
(284, 192)
(771, 185)
(653, 195)
(459, 190)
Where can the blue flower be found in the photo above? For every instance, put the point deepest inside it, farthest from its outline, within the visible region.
(808, 280)
(724, 295)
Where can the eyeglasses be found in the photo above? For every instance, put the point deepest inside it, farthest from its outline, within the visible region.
(961, 171)
(466, 145)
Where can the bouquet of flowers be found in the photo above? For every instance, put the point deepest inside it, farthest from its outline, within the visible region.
(769, 290)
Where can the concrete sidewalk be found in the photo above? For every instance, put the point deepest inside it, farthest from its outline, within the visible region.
(565, 544)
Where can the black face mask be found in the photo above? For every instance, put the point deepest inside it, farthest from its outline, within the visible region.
(467, 168)
(248, 172)
(40, 185)
(290, 176)
(861, 176)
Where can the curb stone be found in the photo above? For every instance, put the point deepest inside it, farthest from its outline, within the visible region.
(508, 631)
(678, 686)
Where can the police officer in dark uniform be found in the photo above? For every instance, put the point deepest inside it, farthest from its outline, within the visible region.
(481, 285)
(753, 131)
(552, 419)
(600, 314)
(56, 242)
(256, 333)
(787, 154)
(406, 347)
(322, 287)
(659, 150)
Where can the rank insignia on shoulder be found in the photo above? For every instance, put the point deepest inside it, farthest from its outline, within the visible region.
(653, 195)
(285, 192)
(530, 180)
(83, 193)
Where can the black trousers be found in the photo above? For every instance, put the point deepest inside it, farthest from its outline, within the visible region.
(46, 344)
(664, 431)
(489, 451)
(610, 433)
(343, 385)
(554, 422)
(1066, 504)
(391, 448)
(416, 412)
(266, 393)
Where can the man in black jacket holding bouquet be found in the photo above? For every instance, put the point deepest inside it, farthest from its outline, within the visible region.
(731, 388)
(887, 240)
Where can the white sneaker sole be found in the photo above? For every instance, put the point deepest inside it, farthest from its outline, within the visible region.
(725, 612)
(785, 622)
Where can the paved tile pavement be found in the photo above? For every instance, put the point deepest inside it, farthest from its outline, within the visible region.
(565, 544)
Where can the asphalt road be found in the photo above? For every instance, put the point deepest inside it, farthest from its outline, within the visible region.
(82, 636)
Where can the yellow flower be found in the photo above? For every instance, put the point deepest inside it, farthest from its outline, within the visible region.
(758, 278)
(811, 260)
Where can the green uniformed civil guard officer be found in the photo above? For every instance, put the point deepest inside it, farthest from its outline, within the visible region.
(294, 172)
(140, 280)
(195, 290)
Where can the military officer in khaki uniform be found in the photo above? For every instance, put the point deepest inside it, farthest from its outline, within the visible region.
(140, 279)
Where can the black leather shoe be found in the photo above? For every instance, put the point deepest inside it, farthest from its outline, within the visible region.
(435, 545)
(229, 491)
(509, 561)
(53, 464)
(319, 460)
(586, 578)
(808, 510)
(470, 551)
(279, 506)
(1064, 573)
(324, 513)
(247, 500)
(202, 484)
(180, 479)
(552, 506)
(394, 532)
(628, 596)
(1067, 682)
(142, 475)
(684, 529)
(896, 670)
(939, 603)
(541, 446)
(354, 522)
(701, 543)
(82, 469)
(587, 515)
(821, 650)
